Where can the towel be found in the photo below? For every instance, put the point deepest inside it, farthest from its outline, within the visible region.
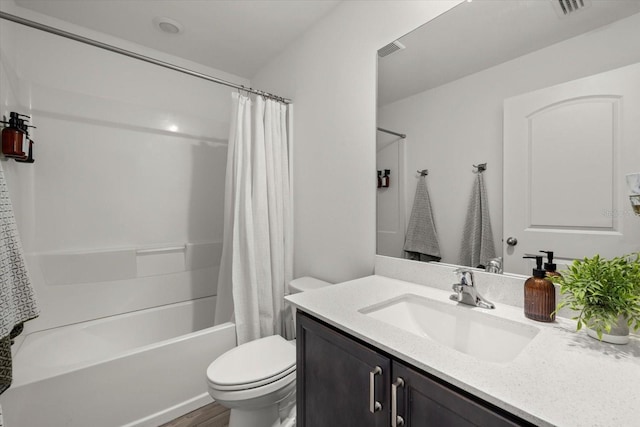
(477, 241)
(421, 241)
(17, 300)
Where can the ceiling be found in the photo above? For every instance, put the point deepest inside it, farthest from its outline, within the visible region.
(236, 36)
(477, 35)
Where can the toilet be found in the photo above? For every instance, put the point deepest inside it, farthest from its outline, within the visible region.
(254, 379)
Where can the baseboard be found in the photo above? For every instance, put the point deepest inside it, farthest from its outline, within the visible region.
(169, 414)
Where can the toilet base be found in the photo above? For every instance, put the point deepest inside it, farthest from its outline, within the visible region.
(268, 416)
(263, 418)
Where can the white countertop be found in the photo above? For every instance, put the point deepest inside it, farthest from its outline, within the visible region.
(562, 378)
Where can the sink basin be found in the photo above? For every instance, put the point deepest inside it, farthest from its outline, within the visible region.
(463, 328)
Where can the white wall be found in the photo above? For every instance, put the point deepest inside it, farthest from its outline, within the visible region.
(456, 125)
(390, 201)
(330, 73)
(8, 98)
(129, 156)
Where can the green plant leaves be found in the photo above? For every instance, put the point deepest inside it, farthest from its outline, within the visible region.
(602, 289)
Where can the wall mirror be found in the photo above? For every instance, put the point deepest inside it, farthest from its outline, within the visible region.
(547, 94)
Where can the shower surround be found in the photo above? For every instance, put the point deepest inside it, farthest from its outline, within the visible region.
(122, 212)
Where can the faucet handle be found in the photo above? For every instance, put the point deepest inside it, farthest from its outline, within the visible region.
(494, 265)
(466, 276)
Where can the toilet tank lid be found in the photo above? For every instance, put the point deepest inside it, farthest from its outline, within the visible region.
(306, 283)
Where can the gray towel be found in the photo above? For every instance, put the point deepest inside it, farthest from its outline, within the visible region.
(477, 241)
(421, 242)
(17, 301)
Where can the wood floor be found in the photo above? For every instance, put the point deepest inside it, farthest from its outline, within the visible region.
(211, 415)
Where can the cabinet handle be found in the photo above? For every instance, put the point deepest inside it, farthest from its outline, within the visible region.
(396, 420)
(374, 406)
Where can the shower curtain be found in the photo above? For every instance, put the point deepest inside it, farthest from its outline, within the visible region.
(257, 255)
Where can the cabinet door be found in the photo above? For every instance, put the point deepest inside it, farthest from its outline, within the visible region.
(333, 383)
(424, 402)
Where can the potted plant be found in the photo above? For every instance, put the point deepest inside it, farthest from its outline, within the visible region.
(606, 295)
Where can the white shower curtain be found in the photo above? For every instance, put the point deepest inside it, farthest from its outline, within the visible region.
(257, 254)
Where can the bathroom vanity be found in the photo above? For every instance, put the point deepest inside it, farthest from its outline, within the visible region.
(378, 351)
(343, 381)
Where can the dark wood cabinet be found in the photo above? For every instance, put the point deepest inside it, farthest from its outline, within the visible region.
(336, 375)
(423, 401)
(333, 379)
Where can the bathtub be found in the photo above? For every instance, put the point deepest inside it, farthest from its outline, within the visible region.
(138, 369)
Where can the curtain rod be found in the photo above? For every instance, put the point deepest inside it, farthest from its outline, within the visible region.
(401, 135)
(105, 46)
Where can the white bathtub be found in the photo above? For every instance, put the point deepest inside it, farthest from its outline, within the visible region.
(137, 369)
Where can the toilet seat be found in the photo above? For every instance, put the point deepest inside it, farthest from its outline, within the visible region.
(254, 364)
(256, 397)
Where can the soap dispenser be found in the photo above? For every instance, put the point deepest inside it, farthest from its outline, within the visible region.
(13, 135)
(539, 295)
(549, 266)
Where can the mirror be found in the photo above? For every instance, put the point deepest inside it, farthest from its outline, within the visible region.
(533, 89)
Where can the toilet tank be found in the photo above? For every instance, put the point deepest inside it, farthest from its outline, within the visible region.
(306, 283)
(301, 284)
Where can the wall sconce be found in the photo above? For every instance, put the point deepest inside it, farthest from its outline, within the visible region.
(633, 182)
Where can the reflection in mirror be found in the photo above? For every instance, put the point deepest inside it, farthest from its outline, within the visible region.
(549, 101)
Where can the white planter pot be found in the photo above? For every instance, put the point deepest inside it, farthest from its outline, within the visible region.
(619, 334)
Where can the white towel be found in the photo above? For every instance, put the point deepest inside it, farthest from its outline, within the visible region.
(421, 241)
(477, 239)
(17, 301)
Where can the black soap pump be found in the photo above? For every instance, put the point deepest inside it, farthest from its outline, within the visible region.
(539, 294)
(549, 266)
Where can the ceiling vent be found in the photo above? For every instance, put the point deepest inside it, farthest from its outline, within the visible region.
(569, 7)
(390, 48)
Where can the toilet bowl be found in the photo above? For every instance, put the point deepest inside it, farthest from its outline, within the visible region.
(254, 379)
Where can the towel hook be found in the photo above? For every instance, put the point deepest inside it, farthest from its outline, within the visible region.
(424, 172)
(481, 167)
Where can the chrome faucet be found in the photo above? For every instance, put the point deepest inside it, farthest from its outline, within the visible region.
(494, 265)
(466, 292)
